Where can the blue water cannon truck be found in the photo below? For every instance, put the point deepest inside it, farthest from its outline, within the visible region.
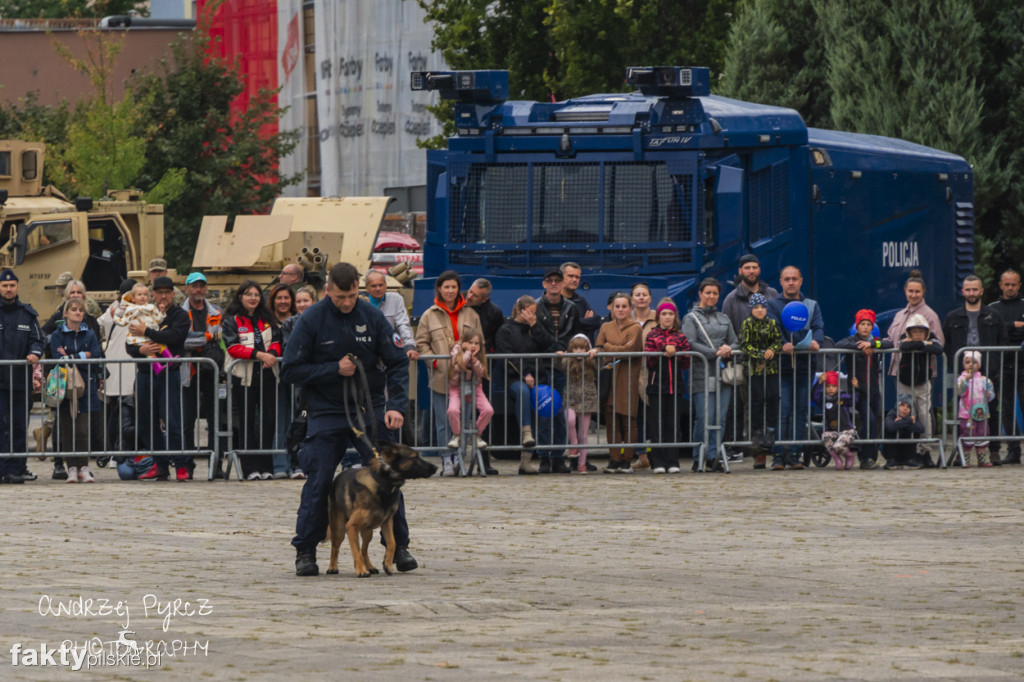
(669, 184)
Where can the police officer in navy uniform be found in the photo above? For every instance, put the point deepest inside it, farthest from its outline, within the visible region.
(318, 357)
(20, 339)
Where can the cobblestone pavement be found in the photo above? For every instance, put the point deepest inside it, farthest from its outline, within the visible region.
(807, 575)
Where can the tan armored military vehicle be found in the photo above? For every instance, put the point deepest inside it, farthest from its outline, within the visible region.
(313, 232)
(42, 234)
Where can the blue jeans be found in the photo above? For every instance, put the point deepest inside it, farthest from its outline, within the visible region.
(285, 413)
(519, 396)
(718, 412)
(552, 431)
(793, 419)
(439, 411)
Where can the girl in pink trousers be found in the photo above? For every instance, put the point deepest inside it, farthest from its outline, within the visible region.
(469, 363)
(976, 392)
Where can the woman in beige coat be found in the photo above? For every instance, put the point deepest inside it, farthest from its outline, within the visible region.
(621, 335)
(441, 327)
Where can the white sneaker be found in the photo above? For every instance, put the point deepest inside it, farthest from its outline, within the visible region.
(280, 474)
(449, 468)
(72, 474)
(673, 470)
(266, 476)
(297, 474)
(658, 470)
(626, 468)
(454, 442)
(254, 476)
(736, 458)
(85, 476)
(481, 443)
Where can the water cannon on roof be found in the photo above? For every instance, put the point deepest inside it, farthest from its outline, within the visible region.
(670, 81)
(482, 87)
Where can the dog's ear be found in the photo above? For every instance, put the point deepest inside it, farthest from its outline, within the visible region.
(387, 450)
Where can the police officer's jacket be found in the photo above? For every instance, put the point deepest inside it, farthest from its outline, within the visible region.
(324, 335)
(20, 336)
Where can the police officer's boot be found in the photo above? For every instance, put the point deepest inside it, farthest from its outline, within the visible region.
(305, 562)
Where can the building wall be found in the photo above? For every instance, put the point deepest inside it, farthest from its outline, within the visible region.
(32, 64)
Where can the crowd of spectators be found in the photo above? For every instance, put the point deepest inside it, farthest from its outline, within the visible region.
(672, 395)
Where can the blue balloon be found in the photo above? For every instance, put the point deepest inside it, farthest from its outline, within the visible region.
(794, 316)
(874, 331)
(545, 401)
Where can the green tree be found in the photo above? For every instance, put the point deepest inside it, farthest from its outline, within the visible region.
(502, 34)
(230, 159)
(775, 55)
(567, 48)
(890, 76)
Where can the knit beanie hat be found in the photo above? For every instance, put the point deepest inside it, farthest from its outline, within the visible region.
(904, 399)
(831, 378)
(756, 300)
(974, 355)
(864, 314)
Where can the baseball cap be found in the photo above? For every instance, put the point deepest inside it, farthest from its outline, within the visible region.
(553, 272)
(749, 258)
(196, 277)
(158, 264)
(163, 283)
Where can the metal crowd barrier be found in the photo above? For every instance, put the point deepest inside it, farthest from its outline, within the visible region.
(249, 429)
(1002, 365)
(148, 421)
(794, 385)
(507, 398)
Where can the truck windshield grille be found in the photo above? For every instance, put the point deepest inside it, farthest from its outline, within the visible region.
(599, 208)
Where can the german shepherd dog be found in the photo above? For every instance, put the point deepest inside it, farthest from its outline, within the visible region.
(367, 498)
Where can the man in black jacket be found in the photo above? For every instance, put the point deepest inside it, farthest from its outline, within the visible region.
(974, 325)
(478, 297)
(1010, 307)
(20, 339)
(319, 357)
(158, 395)
(590, 321)
(560, 317)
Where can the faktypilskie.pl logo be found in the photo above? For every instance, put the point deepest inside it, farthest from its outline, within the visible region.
(126, 648)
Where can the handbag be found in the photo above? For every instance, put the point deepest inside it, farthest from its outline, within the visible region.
(733, 373)
(56, 386)
(62, 382)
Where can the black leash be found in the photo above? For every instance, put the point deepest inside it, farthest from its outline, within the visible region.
(360, 405)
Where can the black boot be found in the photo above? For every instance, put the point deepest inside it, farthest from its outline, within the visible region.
(558, 466)
(59, 472)
(491, 471)
(404, 561)
(545, 465)
(305, 562)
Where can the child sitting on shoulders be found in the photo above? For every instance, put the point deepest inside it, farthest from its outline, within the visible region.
(839, 433)
(975, 391)
(901, 424)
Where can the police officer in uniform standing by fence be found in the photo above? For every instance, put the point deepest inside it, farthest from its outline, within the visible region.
(319, 357)
(20, 339)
